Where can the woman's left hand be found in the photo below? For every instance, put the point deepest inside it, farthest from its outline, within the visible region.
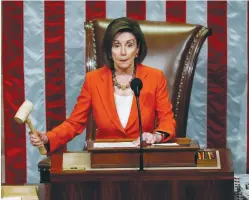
(149, 138)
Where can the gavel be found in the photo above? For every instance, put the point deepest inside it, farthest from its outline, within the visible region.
(22, 116)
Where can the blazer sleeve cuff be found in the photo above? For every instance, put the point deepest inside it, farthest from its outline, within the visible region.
(165, 135)
(53, 141)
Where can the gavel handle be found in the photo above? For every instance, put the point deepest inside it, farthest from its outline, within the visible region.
(42, 149)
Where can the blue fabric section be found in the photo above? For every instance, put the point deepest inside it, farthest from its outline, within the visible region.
(237, 83)
(197, 117)
(75, 60)
(115, 9)
(34, 79)
(155, 10)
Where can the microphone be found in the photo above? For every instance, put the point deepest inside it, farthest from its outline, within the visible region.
(136, 86)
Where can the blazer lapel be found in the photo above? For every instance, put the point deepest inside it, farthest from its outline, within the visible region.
(141, 74)
(106, 93)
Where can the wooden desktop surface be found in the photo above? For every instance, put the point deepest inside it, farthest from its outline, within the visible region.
(190, 184)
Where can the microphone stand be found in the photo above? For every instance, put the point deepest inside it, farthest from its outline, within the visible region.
(141, 163)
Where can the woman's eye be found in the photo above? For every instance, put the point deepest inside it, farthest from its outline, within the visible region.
(116, 45)
(130, 45)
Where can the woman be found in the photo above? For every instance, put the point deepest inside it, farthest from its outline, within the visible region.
(107, 93)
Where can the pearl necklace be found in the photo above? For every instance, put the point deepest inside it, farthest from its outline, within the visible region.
(120, 86)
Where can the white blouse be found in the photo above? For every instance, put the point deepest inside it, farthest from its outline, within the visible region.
(123, 106)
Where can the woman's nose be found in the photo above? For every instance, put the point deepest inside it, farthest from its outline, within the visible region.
(123, 51)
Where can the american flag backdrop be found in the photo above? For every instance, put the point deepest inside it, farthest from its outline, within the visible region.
(43, 54)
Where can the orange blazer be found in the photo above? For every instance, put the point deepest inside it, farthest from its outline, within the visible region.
(97, 95)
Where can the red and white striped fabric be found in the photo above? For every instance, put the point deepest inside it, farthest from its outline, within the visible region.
(43, 53)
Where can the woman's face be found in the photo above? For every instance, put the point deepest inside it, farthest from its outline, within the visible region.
(124, 50)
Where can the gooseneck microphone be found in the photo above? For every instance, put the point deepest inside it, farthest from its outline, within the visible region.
(136, 86)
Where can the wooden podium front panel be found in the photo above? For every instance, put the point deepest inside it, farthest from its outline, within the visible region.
(151, 159)
(192, 184)
(146, 190)
(154, 156)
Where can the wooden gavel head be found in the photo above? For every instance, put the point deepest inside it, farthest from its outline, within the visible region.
(22, 116)
(23, 112)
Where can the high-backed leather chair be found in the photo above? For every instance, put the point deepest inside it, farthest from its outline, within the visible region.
(171, 47)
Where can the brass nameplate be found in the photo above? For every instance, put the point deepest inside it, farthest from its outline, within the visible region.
(25, 192)
(76, 161)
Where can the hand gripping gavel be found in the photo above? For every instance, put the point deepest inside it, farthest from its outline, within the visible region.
(22, 116)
